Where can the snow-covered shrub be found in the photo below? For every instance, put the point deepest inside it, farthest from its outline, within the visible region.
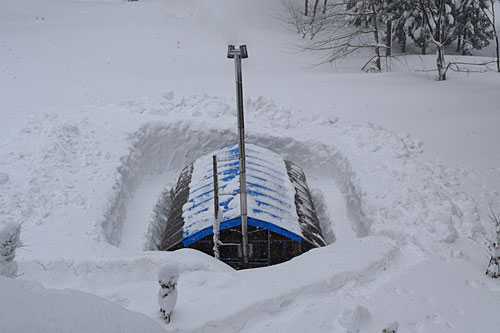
(493, 269)
(9, 241)
(167, 295)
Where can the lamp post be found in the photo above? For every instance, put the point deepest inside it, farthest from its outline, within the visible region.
(237, 54)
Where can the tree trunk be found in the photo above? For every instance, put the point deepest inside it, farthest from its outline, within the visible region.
(498, 54)
(459, 42)
(324, 6)
(424, 42)
(437, 35)
(440, 63)
(436, 31)
(375, 35)
(439, 43)
(388, 42)
(403, 45)
(315, 8)
(496, 34)
(306, 9)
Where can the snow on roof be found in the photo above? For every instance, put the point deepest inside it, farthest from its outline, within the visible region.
(270, 194)
(278, 198)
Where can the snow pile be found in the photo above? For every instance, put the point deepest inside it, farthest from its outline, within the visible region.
(116, 273)
(272, 291)
(355, 319)
(58, 165)
(10, 234)
(29, 307)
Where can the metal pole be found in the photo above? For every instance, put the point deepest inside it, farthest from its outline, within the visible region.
(241, 150)
(217, 221)
(216, 187)
(238, 54)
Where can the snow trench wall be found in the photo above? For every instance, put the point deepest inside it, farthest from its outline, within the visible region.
(180, 197)
(155, 148)
(308, 220)
(163, 147)
(318, 160)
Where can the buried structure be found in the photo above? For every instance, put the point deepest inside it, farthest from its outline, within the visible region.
(247, 216)
(281, 219)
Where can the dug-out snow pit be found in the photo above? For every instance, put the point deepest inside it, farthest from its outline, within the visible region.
(159, 151)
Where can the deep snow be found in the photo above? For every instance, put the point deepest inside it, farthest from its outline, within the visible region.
(104, 102)
(28, 307)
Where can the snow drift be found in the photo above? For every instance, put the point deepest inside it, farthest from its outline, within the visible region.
(29, 307)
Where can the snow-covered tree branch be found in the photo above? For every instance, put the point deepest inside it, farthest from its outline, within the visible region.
(345, 27)
(341, 29)
(493, 269)
(10, 234)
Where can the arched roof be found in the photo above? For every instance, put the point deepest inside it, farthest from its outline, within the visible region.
(278, 198)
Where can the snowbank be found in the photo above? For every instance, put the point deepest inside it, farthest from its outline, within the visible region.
(29, 307)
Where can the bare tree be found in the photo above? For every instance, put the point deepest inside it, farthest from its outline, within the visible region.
(304, 25)
(339, 32)
(315, 8)
(306, 5)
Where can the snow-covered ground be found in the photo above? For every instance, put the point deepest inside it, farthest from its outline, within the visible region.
(104, 102)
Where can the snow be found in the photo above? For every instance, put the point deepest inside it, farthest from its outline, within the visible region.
(102, 108)
(354, 319)
(29, 307)
(168, 274)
